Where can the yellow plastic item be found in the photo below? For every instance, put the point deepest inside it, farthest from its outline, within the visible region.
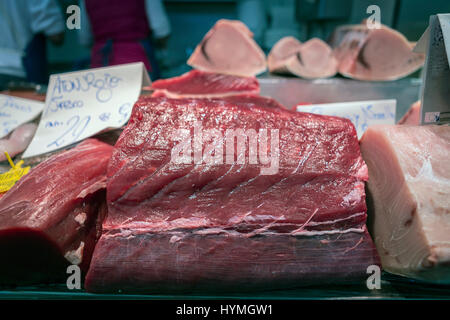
(9, 178)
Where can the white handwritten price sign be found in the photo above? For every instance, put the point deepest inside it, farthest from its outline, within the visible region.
(361, 113)
(16, 111)
(81, 104)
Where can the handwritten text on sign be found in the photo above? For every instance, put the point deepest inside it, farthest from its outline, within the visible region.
(81, 104)
(16, 111)
(361, 113)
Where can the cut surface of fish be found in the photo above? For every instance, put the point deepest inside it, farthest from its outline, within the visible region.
(229, 48)
(223, 221)
(202, 84)
(409, 183)
(375, 54)
(50, 217)
(412, 116)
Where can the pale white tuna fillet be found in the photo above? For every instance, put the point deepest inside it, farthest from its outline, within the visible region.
(18, 140)
(285, 48)
(374, 54)
(310, 60)
(229, 48)
(409, 182)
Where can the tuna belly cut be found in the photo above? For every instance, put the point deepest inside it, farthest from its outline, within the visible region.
(409, 183)
(194, 261)
(282, 50)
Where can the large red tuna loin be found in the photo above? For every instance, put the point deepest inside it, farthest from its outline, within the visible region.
(409, 186)
(201, 223)
(229, 48)
(201, 84)
(50, 218)
(374, 54)
(311, 60)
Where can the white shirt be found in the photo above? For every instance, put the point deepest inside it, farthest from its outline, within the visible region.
(19, 21)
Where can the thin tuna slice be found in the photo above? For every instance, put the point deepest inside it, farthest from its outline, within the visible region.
(284, 49)
(412, 116)
(229, 48)
(409, 183)
(201, 84)
(222, 221)
(50, 218)
(18, 141)
(311, 60)
(374, 54)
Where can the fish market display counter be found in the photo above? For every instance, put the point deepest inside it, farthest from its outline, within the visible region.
(290, 92)
(293, 91)
(392, 288)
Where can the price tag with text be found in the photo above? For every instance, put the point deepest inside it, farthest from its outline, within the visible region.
(81, 104)
(361, 113)
(16, 111)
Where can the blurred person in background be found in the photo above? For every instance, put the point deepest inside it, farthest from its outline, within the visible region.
(122, 31)
(24, 27)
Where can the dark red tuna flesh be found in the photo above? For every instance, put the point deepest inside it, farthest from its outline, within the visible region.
(189, 226)
(52, 216)
(201, 84)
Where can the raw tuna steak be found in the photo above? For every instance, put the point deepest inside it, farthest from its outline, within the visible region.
(201, 213)
(374, 54)
(17, 141)
(312, 59)
(409, 183)
(412, 117)
(49, 218)
(229, 48)
(284, 48)
(201, 84)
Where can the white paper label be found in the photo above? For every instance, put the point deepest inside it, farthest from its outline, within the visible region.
(16, 111)
(81, 104)
(361, 113)
(431, 117)
(436, 76)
